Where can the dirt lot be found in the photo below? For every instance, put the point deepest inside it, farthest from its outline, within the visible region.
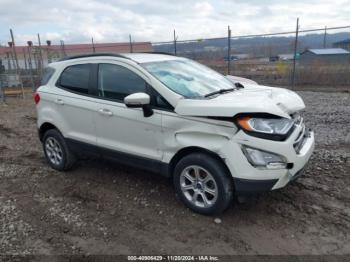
(104, 208)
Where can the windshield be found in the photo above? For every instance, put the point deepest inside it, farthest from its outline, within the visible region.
(188, 78)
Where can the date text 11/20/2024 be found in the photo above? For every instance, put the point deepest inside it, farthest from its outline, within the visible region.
(173, 258)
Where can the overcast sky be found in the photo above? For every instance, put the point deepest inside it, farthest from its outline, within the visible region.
(154, 20)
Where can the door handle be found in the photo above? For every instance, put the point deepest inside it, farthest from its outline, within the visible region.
(105, 112)
(59, 101)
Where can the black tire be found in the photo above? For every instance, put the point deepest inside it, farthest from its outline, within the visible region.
(219, 173)
(68, 159)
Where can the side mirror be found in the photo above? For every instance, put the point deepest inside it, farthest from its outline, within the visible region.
(139, 100)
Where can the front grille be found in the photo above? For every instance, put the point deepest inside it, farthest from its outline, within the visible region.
(297, 118)
(300, 140)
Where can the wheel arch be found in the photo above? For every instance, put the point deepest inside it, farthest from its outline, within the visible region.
(190, 150)
(44, 128)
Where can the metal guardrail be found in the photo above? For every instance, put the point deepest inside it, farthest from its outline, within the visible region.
(10, 85)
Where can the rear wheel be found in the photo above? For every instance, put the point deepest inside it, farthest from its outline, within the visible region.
(56, 151)
(203, 183)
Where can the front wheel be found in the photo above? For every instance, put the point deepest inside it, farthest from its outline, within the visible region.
(203, 184)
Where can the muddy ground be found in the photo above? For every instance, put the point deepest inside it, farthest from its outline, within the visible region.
(104, 208)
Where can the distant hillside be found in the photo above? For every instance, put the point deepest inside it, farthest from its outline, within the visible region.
(256, 46)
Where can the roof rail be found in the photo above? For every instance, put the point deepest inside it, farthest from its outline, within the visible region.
(91, 55)
(158, 53)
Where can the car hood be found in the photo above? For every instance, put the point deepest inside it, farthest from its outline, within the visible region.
(250, 99)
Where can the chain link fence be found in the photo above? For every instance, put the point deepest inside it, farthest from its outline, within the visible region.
(2, 84)
(302, 58)
(310, 57)
(2, 94)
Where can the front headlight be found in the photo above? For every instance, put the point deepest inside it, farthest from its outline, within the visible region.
(266, 126)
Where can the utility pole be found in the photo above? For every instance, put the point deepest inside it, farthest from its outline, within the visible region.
(228, 50)
(41, 63)
(12, 57)
(325, 37)
(175, 38)
(30, 64)
(295, 53)
(18, 71)
(14, 49)
(63, 49)
(2, 93)
(130, 44)
(93, 45)
(25, 59)
(9, 67)
(48, 53)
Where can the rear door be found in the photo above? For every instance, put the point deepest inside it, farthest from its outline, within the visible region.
(75, 105)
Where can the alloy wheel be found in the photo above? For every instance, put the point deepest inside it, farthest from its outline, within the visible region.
(199, 186)
(53, 151)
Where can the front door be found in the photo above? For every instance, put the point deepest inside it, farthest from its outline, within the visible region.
(120, 128)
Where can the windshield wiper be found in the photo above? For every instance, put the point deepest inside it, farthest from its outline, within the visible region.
(220, 91)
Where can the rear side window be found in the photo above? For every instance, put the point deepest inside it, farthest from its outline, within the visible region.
(76, 78)
(48, 72)
(117, 82)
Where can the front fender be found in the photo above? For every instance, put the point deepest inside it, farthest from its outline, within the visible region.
(181, 132)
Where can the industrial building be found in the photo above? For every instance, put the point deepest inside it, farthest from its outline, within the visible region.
(325, 55)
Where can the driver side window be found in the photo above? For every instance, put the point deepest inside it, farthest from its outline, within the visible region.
(116, 82)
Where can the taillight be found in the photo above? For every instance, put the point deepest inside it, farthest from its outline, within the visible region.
(36, 98)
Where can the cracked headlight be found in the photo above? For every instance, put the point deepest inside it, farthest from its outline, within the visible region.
(260, 158)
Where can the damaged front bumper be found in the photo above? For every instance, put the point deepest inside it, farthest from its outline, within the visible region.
(248, 179)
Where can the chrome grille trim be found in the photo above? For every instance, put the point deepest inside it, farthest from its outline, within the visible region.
(299, 141)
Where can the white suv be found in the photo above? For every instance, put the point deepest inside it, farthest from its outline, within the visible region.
(214, 136)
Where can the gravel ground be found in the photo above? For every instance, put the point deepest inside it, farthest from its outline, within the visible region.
(104, 208)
